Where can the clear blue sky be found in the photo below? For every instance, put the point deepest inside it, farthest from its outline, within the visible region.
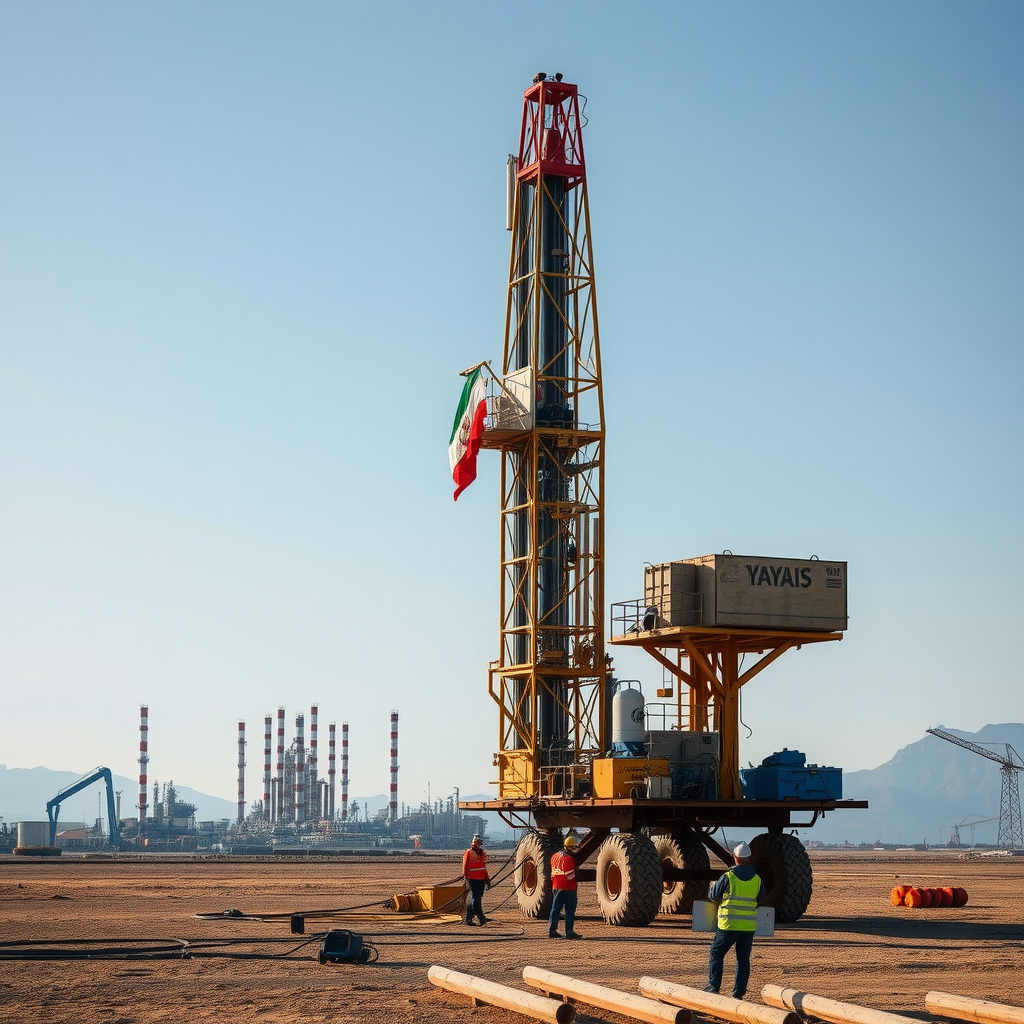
(246, 247)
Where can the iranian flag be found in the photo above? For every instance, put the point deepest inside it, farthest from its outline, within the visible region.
(467, 430)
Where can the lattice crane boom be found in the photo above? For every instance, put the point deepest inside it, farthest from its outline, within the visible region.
(1011, 833)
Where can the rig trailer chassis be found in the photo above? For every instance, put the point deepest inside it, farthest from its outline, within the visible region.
(650, 856)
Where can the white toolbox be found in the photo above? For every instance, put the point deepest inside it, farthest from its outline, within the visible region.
(705, 918)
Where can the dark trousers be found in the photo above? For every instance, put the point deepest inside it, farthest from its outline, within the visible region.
(721, 944)
(563, 899)
(475, 904)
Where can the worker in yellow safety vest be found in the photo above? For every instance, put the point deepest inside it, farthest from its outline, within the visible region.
(736, 893)
(474, 871)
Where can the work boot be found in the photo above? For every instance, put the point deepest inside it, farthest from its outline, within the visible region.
(554, 935)
(573, 935)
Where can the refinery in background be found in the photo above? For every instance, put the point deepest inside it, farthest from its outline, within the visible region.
(300, 809)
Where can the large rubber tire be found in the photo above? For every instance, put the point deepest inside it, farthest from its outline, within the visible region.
(683, 851)
(533, 872)
(628, 879)
(785, 870)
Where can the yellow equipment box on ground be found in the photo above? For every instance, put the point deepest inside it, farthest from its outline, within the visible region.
(620, 776)
(442, 899)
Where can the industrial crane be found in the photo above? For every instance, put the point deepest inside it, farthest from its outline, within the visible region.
(969, 822)
(53, 806)
(552, 681)
(1011, 835)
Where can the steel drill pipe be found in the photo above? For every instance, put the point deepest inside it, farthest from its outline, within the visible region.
(722, 1007)
(637, 1007)
(482, 991)
(807, 1004)
(946, 1004)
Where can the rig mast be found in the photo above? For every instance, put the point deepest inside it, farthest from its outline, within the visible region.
(548, 423)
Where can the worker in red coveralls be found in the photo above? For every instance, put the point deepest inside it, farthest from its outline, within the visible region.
(474, 871)
(563, 884)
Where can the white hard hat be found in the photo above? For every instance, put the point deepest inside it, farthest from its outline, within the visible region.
(741, 852)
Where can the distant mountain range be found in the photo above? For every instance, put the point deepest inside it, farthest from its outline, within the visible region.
(917, 796)
(926, 789)
(25, 791)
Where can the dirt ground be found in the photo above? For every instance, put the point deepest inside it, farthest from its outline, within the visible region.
(851, 945)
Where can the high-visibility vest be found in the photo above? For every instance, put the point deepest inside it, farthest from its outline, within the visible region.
(563, 871)
(474, 865)
(738, 910)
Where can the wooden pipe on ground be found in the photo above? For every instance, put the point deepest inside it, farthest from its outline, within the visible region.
(945, 1004)
(482, 991)
(722, 1007)
(626, 1003)
(828, 1009)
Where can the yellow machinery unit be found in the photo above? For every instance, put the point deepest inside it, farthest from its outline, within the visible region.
(621, 776)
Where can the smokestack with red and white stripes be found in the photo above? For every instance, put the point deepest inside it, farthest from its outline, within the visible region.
(300, 769)
(314, 790)
(241, 772)
(344, 771)
(393, 788)
(279, 813)
(331, 758)
(143, 760)
(268, 736)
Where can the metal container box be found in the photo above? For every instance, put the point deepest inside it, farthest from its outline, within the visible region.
(749, 591)
(810, 783)
(700, 747)
(619, 776)
(670, 592)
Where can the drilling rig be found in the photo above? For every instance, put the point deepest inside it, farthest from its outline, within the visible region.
(567, 758)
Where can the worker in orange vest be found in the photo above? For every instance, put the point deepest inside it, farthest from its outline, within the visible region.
(563, 884)
(474, 871)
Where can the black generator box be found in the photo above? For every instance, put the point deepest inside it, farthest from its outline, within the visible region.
(343, 947)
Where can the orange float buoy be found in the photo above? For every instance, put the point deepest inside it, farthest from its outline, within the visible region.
(899, 894)
(914, 898)
(928, 896)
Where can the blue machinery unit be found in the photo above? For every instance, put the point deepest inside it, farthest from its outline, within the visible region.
(53, 806)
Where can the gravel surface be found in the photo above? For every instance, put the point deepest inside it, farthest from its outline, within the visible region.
(851, 945)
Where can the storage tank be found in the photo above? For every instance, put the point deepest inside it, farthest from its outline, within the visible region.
(34, 839)
(627, 717)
